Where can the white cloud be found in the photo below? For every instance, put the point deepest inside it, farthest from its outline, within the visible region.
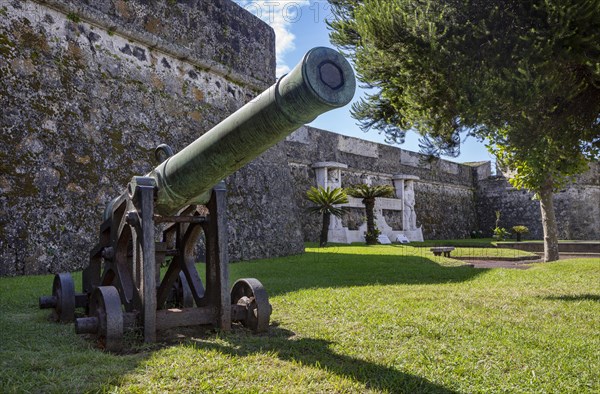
(280, 15)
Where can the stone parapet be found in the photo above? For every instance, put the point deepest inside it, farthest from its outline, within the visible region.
(444, 194)
(217, 35)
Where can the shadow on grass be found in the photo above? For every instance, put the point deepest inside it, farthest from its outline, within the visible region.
(32, 347)
(578, 297)
(320, 270)
(317, 353)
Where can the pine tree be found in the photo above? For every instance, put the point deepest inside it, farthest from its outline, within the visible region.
(524, 75)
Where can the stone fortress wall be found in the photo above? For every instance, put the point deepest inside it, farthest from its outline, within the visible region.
(577, 206)
(452, 199)
(88, 89)
(444, 195)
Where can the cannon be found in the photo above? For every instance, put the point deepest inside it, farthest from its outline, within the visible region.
(162, 216)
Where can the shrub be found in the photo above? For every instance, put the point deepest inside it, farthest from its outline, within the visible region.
(368, 194)
(327, 202)
(476, 234)
(500, 233)
(372, 238)
(520, 230)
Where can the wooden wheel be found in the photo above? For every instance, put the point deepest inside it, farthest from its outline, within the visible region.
(105, 306)
(63, 291)
(180, 295)
(250, 293)
(184, 296)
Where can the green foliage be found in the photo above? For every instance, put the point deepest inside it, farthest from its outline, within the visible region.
(73, 17)
(475, 234)
(372, 238)
(325, 200)
(523, 75)
(368, 192)
(520, 229)
(472, 243)
(500, 233)
(547, 164)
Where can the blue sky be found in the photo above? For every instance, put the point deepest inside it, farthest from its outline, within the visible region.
(299, 26)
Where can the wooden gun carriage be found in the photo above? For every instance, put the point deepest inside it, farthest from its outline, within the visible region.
(182, 200)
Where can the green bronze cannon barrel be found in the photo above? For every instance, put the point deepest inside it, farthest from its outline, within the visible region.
(322, 81)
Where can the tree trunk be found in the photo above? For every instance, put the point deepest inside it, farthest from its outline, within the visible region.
(370, 237)
(549, 222)
(325, 229)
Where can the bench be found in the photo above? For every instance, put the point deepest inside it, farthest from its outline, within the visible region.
(437, 251)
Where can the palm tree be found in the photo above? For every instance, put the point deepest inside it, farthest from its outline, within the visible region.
(325, 201)
(368, 194)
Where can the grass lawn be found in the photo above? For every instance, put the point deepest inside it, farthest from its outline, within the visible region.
(467, 242)
(345, 319)
(490, 253)
(469, 251)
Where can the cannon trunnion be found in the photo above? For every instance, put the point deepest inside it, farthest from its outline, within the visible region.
(162, 217)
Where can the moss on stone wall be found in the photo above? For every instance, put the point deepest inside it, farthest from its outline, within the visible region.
(85, 107)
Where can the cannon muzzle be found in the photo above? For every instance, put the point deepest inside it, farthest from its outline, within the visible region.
(322, 81)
